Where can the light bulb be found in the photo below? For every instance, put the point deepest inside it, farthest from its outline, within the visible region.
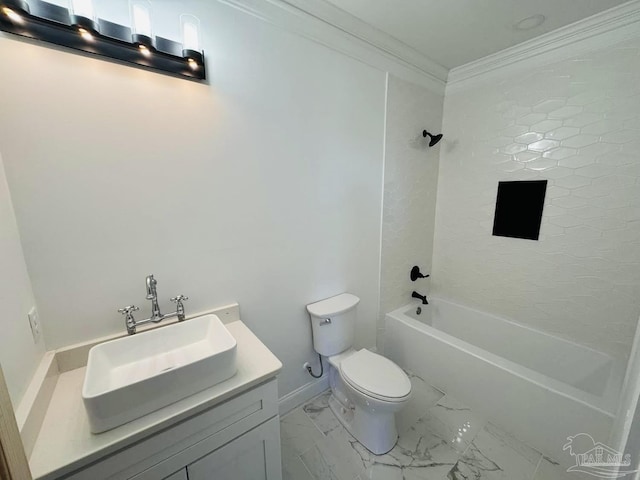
(13, 16)
(82, 8)
(144, 50)
(141, 17)
(193, 64)
(84, 33)
(190, 32)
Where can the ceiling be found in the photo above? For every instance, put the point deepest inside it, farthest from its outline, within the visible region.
(455, 32)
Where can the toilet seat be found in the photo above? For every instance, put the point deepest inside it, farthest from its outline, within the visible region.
(375, 376)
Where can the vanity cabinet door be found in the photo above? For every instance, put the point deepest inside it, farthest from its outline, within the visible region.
(252, 456)
(181, 475)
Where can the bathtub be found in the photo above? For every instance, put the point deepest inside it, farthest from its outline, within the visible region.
(539, 387)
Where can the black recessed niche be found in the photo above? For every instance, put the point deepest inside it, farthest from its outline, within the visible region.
(519, 209)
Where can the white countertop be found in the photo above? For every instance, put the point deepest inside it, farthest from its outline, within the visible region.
(65, 443)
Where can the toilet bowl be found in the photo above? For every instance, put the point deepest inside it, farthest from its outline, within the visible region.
(367, 391)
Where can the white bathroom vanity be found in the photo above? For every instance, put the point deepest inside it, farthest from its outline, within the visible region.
(228, 431)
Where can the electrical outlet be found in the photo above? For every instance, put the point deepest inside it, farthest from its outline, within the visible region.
(306, 366)
(34, 323)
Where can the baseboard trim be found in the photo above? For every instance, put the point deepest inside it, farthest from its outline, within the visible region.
(300, 395)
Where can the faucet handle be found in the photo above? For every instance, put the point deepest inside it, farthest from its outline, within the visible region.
(416, 274)
(128, 310)
(129, 320)
(179, 306)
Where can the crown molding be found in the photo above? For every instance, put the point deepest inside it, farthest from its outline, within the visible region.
(328, 25)
(605, 28)
(342, 20)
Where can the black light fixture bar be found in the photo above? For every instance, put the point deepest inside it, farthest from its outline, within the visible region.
(53, 24)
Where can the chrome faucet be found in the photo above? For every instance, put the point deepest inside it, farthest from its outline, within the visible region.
(152, 294)
(156, 314)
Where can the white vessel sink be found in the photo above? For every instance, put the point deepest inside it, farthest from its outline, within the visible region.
(135, 375)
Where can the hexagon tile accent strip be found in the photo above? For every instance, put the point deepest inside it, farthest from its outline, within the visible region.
(575, 123)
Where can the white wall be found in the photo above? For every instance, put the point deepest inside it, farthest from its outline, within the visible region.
(577, 124)
(410, 186)
(263, 187)
(19, 354)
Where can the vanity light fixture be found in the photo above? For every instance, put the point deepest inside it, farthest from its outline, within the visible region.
(82, 8)
(190, 27)
(141, 33)
(79, 28)
(82, 15)
(12, 15)
(14, 11)
(85, 34)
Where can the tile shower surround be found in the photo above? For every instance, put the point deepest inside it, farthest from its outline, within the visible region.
(410, 187)
(575, 123)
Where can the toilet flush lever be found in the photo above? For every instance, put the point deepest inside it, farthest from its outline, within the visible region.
(325, 321)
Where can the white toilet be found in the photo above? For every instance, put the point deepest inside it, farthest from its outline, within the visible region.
(367, 389)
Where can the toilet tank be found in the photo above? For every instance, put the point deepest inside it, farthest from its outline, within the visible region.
(333, 323)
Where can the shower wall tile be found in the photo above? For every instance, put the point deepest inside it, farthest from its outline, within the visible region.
(575, 123)
(410, 187)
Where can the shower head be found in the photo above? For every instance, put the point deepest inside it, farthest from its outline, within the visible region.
(434, 138)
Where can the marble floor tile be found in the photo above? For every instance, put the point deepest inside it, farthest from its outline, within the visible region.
(449, 442)
(350, 449)
(549, 470)
(454, 422)
(320, 467)
(495, 455)
(293, 468)
(297, 433)
(509, 440)
(321, 415)
(329, 460)
(419, 454)
(423, 457)
(423, 397)
(432, 457)
(382, 472)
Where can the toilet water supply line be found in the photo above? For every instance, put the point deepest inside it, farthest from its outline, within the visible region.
(321, 368)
